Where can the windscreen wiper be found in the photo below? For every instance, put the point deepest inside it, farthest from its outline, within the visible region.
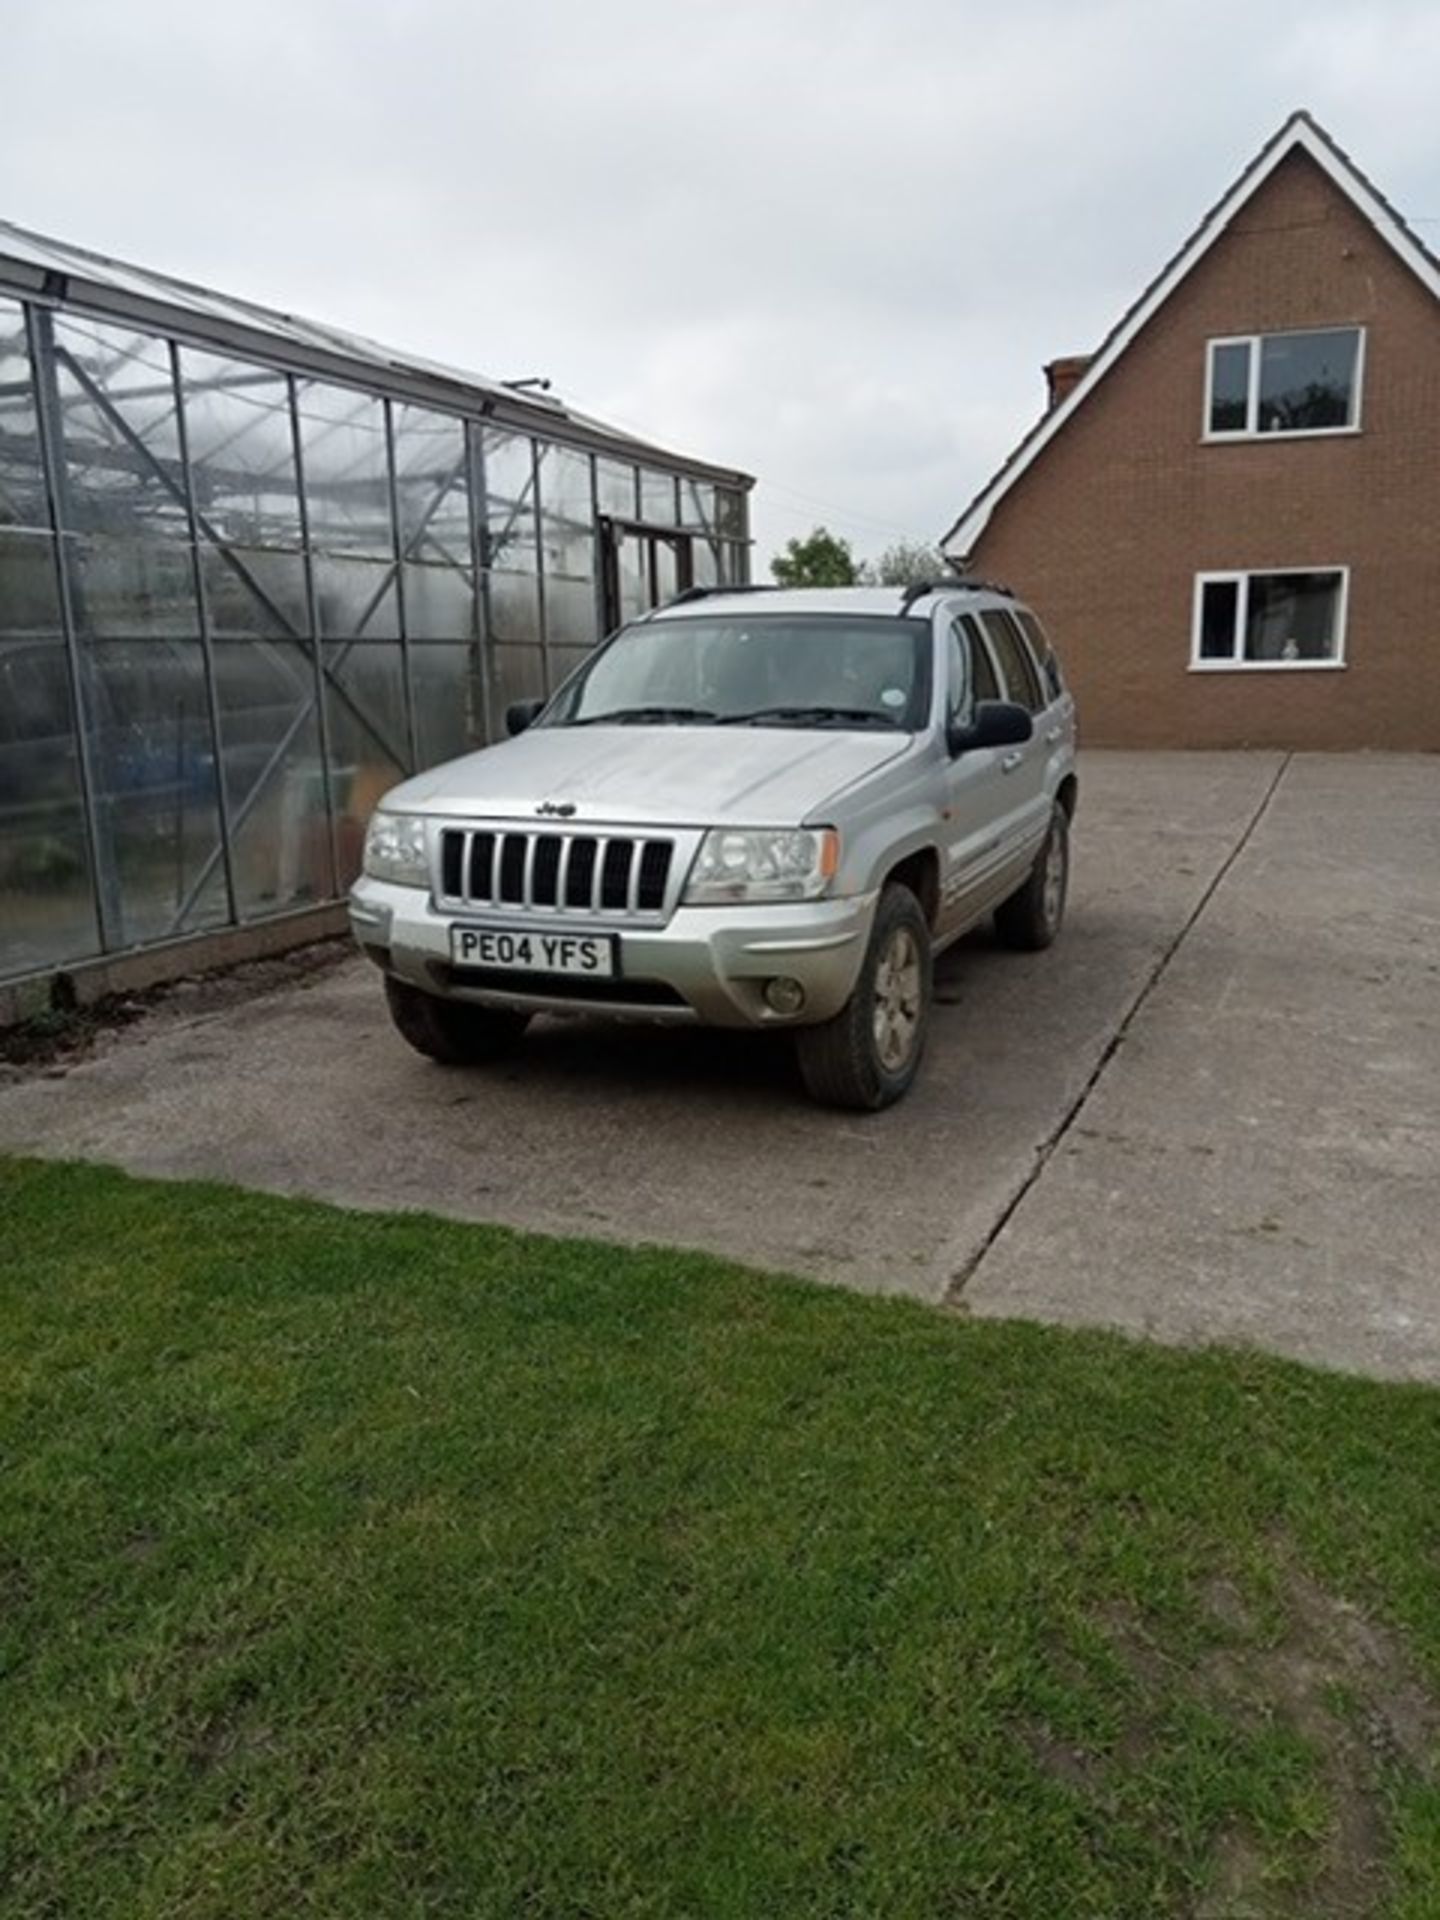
(644, 716)
(808, 717)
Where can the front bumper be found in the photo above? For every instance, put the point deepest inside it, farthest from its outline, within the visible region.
(708, 965)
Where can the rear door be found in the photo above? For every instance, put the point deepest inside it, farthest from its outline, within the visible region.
(1056, 725)
(977, 842)
(1027, 798)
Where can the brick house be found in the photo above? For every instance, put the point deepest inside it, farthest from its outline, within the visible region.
(1229, 517)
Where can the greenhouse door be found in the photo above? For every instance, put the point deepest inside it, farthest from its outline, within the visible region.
(644, 567)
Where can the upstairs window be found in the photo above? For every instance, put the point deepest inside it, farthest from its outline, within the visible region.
(1262, 383)
(1290, 619)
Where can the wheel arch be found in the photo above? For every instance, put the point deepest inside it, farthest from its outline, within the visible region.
(920, 872)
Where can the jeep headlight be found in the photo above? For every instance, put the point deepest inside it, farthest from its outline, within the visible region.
(395, 849)
(768, 863)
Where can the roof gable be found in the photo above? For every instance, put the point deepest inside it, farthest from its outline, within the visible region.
(1300, 133)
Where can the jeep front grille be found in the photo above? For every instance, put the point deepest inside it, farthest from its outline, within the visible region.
(564, 873)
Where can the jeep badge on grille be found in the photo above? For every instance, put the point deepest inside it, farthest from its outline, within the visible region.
(561, 809)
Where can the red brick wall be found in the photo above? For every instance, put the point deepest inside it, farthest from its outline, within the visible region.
(1105, 533)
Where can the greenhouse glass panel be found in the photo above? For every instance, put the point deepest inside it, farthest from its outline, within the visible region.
(567, 541)
(47, 904)
(567, 513)
(22, 479)
(617, 490)
(154, 769)
(657, 500)
(29, 599)
(512, 605)
(513, 608)
(730, 510)
(439, 604)
(274, 777)
(347, 470)
(667, 573)
(365, 695)
(242, 450)
(252, 591)
(518, 673)
(509, 518)
(448, 711)
(705, 563)
(633, 577)
(120, 437)
(571, 615)
(136, 588)
(356, 599)
(365, 720)
(432, 487)
(697, 505)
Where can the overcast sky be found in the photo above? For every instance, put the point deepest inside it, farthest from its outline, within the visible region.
(829, 242)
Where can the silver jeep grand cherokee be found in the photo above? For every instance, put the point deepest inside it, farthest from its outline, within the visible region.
(751, 808)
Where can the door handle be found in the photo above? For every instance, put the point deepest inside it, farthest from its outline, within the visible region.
(1055, 736)
(1011, 762)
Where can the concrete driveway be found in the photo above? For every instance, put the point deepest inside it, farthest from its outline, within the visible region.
(1212, 1112)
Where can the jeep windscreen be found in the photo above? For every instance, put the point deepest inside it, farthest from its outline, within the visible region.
(762, 670)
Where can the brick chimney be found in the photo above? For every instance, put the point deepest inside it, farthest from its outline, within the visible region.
(1062, 375)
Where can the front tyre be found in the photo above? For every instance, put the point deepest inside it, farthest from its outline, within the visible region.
(867, 1055)
(1030, 918)
(451, 1031)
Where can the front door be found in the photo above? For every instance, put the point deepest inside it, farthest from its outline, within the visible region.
(644, 567)
(976, 840)
(1026, 768)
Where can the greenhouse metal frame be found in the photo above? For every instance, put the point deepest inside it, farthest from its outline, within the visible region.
(254, 570)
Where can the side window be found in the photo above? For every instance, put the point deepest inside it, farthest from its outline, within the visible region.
(1043, 651)
(983, 684)
(1017, 669)
(957, 681)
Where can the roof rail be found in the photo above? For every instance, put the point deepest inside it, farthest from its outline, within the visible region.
(918, 589)
(706, 593)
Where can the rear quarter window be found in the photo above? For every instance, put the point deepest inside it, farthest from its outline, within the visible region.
(1044, 653)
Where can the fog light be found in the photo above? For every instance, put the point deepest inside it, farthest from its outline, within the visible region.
(785, 996)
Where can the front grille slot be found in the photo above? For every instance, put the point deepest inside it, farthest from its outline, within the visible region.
(452, 857)
(513, 849)
(568, 873)
(580, 877)
(654, 873)
(482, 866)
(545, 877)
(615, 876)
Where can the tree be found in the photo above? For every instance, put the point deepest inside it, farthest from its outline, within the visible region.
(822, 560)
(905, 565)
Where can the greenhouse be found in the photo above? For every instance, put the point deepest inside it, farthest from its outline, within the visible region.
(253, 570)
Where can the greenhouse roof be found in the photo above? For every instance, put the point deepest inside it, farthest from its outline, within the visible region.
(33, 264)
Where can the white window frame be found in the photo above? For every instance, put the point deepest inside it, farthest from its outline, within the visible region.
(1241, 579)
(1251, 429)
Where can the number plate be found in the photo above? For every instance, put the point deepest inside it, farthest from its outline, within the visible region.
(586, 955)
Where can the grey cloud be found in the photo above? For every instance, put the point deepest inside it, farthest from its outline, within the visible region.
(830, 243)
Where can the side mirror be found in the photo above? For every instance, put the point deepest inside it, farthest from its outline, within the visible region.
(521, 714)
(997, 723)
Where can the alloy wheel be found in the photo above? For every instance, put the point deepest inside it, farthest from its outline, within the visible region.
(898, 989)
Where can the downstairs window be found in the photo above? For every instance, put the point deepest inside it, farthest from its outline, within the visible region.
(1294, 618)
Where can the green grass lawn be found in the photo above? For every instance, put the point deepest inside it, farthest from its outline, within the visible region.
(369, 1565)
